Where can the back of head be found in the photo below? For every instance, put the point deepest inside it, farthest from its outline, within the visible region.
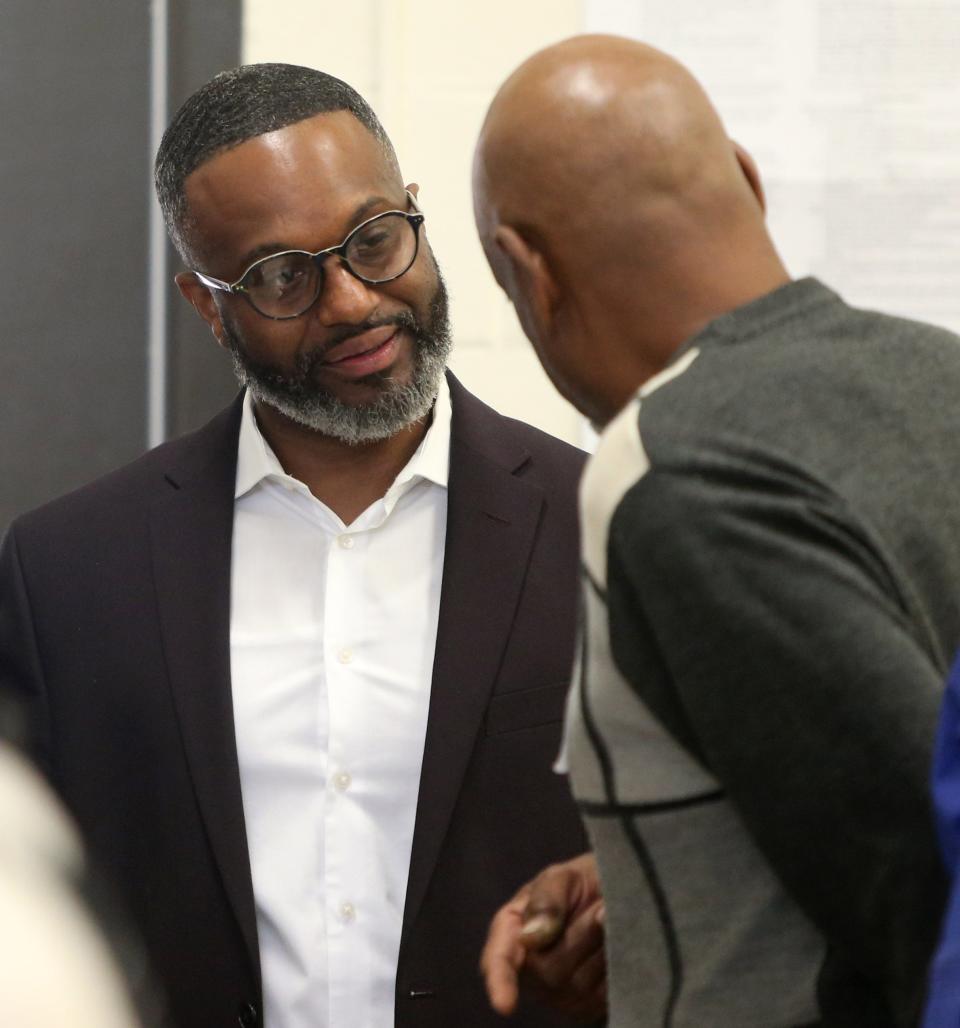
(609, 138)
(238, 105)
(607, 158)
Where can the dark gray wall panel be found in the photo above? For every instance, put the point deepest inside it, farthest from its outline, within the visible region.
(73, 106)
(74, 187)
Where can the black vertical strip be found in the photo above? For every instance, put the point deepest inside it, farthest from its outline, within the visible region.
(643, 855)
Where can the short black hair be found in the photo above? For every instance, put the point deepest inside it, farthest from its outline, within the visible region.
(238, 105)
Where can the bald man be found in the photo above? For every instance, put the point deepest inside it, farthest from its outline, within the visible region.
(771, 532)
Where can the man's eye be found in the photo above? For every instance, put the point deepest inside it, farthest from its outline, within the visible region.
(282, 277)
(372, 242)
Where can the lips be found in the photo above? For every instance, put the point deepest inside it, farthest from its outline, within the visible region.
(365, 354)
(360, 346)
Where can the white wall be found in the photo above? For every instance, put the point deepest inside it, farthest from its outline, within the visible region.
(849, 107)
(430, 68)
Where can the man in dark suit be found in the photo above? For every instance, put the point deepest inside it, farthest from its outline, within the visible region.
(299, 675)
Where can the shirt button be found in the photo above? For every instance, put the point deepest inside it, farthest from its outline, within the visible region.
(341, 781)
(345, 541)
(345, 656)
(347, 912)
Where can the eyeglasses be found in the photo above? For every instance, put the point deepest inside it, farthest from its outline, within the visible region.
(286, 285)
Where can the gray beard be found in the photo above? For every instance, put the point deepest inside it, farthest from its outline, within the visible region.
(397, 406)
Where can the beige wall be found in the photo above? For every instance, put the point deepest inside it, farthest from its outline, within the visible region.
(430, 68)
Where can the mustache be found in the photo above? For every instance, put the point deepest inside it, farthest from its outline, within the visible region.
(403, 319)
(430, 332)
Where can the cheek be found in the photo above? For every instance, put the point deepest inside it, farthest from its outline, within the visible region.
(420, 283)
(265, 339)
(414, 291)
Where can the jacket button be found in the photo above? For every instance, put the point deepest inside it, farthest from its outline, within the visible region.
(422, 992)
(248, 1016)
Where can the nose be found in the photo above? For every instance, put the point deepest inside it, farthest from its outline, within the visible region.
(344, 299)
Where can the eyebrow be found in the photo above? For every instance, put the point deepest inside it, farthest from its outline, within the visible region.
(358, 215)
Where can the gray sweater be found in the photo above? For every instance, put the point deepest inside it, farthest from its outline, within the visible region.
(772, 599)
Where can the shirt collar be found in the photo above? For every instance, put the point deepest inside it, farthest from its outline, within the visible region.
(256, 461)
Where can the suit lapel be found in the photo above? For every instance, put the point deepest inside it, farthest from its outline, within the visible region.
(191, 537)
(492, 517)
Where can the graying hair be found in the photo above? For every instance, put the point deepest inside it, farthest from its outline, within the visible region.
(238, 105)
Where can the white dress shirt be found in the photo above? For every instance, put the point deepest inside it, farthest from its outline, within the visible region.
(332, 637)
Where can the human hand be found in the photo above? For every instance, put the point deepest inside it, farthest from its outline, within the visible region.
(549, 937)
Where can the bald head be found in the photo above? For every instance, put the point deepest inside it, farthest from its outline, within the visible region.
(607, 161)
(600, 112)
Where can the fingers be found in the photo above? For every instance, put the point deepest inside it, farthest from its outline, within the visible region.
(574, 954)
(556, 895)
(590, 975)
(585, 998)
(550, 935)
(541, 930)
(571, 975)
(504, 955)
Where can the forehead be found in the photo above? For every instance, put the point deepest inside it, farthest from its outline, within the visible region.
(300, 186)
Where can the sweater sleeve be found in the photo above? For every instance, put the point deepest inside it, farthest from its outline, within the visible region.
(787, 660)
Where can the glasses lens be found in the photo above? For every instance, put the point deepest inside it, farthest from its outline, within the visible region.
(283, 286)
(383, 248)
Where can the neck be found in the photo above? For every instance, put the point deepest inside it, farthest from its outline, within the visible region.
(346, 477)
(727, 294)
(647, 334)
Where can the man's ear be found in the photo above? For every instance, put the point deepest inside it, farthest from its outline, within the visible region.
(752, 174)
(197, 294)
(530, 283)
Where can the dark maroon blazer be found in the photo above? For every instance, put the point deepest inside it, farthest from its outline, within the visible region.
(114, 632)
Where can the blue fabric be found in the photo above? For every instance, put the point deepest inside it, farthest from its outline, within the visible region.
(943, 1005)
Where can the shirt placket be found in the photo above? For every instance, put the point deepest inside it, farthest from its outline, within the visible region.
(344, 849)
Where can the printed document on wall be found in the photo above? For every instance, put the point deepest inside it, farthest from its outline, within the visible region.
(850, 108)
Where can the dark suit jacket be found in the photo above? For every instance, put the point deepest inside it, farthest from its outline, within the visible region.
(114, 631)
